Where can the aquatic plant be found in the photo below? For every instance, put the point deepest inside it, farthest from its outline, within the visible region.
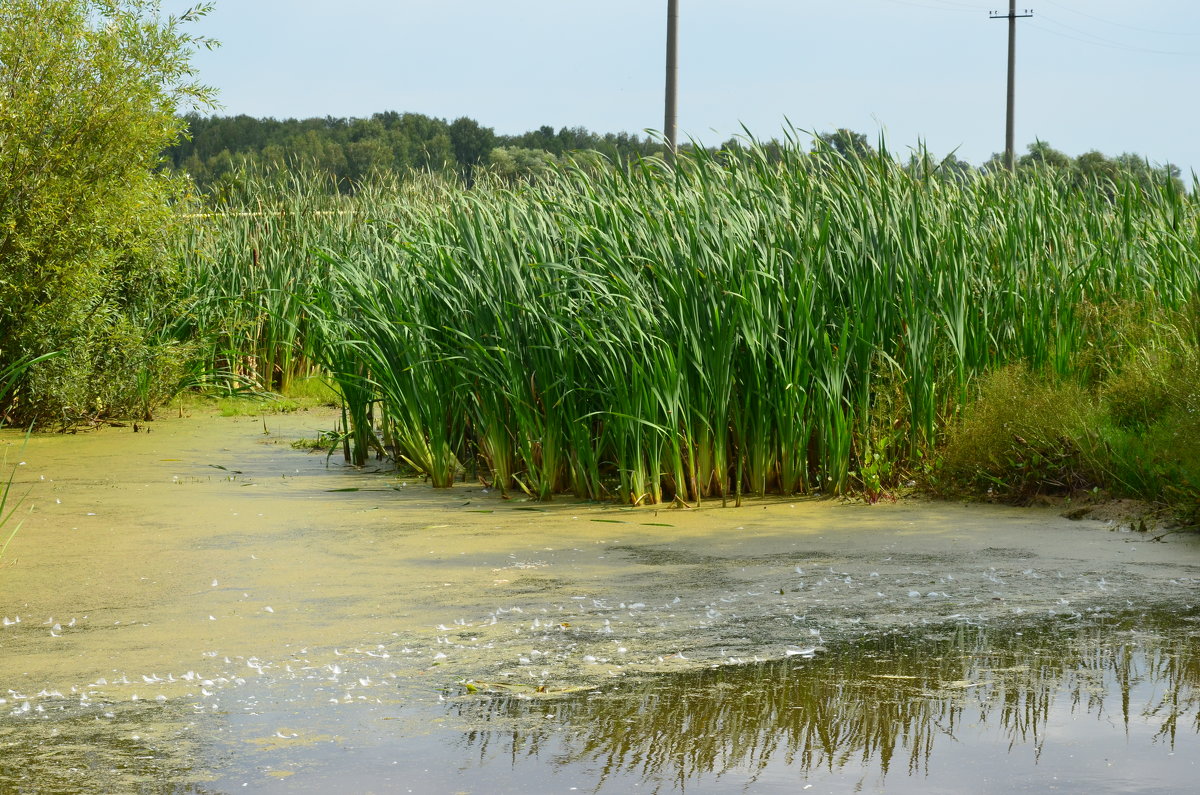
(6, 512)
(783, 320)
(9, 377)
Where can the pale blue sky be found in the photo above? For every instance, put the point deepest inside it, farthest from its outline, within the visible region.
(1091, 74)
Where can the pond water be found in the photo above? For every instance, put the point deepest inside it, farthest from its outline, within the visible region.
(204, 609)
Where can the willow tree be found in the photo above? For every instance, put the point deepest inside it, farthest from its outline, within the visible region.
(91, 93)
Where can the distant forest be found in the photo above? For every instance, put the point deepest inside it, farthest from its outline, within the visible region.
(350, 149)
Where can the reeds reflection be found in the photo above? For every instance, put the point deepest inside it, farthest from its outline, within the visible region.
(890, 703)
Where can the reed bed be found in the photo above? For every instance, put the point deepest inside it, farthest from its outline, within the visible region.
(253, 263)
(791, 322)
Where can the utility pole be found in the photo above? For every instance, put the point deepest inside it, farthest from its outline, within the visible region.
(1012, 16)
(672, 76)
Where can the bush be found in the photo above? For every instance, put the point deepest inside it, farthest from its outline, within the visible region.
(1151, 437)
(1023, 436)
(92, 93)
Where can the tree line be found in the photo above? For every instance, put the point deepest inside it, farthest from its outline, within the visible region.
(349, 150)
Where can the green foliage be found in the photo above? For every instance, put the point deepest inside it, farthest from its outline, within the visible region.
(514, 162)
(1021, 436)
(92, 91)
(472, 142)
(1135, 431)
(1042, 153)
(252, 267)
(756, 320)
(846, 143)
(348, 151)
(1094, 170)
(1151, 434)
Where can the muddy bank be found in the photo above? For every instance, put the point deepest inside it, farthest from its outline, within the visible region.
(208, 569)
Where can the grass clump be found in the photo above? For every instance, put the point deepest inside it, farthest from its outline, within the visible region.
(1133, 431)
(1150, 440)
(1025, 435)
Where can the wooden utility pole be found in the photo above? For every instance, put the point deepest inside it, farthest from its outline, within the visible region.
(1009, 128)
(669, 116)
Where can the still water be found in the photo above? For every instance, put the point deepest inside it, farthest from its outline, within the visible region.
(207, 610)
(1108, 704)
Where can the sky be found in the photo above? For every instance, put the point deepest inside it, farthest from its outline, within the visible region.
(1091, 74)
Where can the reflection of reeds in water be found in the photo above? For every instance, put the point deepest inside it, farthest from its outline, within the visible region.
(886, 703)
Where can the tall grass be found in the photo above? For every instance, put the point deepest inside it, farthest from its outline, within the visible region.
(253, 266)
(724, 326)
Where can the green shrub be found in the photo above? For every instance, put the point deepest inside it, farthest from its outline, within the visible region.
(92, 91)
(1151, 436)
(1024, 435)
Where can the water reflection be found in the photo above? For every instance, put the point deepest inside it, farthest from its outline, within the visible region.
(1110, 705)
(892, 704)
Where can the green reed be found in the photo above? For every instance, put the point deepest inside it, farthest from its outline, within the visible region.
(649, 333)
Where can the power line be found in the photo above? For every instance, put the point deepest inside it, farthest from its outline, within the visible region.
(1122, 24)
(1100, 41)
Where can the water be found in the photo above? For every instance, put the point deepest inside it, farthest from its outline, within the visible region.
(1111, 704)
(190, 628)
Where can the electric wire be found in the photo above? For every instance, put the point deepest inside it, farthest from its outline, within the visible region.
(1121, 24)
(1083, 36)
